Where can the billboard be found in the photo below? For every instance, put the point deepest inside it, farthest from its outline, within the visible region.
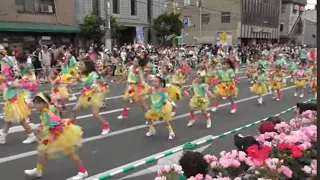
(224, 38)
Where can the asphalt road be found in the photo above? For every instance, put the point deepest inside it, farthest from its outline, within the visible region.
(127, 141)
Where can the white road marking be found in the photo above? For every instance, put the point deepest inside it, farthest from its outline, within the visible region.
(122, 131)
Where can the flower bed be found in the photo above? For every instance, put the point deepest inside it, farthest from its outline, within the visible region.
(291, 153)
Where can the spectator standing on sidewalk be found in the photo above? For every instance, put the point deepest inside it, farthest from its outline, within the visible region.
(45, 57)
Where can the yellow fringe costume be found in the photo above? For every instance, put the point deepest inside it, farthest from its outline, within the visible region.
(260, 86)
(91, 94)
(135, 90)
(120, 70)
(15, 107)
(160, 107)
(277, 82)
(199, 100)
(226, 87)
(300, 79)
(57, 137)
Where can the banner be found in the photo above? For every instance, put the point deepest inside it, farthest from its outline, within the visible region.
(140, 34)
(224, 38)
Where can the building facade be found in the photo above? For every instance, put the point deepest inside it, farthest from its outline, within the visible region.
(310, 27)
(218, 23)
(259, 21)
(24, 22)
(136, 15)
(292, 21)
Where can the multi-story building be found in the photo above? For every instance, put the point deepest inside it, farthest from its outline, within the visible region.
(259, 21)
(227, 22)
(25, 22)
(136, 15)
(218, 23)
(292, 21)
(310, 27)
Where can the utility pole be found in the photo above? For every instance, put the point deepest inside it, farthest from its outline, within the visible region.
(174, 6)
(200, 15)
(107, 28)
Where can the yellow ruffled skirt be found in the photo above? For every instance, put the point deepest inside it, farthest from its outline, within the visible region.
(66, 78)
(16, 110)
(119, 71)
(65, 143)
(299, 83)
(165, 113)
(61, 93)
(136, 92)
(197, 102)
(276, 85)
(226, 89)
(174, 92)
(74, 71)
(259, 88)
(91, 99)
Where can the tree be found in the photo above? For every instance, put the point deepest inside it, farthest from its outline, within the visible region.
(116, 28)
(90, 29)
(167, 25)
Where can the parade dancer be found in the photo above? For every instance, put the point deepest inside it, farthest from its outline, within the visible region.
(136, 88)
(277, 82)
(90, 95)
(102, 81)
(160, 106)
(69, 72)
(56, 138)
(226, 86)
(15, 108)
(300, 80)
(313, 81)
(174, 91)
(60, 92)
(259, 88)
(199, 100)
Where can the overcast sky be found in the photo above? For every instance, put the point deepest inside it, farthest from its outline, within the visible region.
(311, 4)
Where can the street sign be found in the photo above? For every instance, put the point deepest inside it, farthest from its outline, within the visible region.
(99, 21)
(185, 22)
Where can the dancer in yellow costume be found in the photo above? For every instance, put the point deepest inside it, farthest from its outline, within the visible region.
(300, 80)
(200, 100)
(313, 81)
(160, 106)
(260, 87)
(90, 95)
(102, 81)
(16, 109)
(277, 82)
(226, 86)
(136, 88)
(56, 138)
(174, 90)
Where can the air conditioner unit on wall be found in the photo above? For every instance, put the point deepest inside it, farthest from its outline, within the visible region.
(46, 8)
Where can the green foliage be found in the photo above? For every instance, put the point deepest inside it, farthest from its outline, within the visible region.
(116, 28)
(90, 29)
(166, 25)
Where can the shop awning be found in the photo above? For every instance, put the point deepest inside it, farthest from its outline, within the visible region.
(37, 27)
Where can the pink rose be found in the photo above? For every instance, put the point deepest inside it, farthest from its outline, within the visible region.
(307, 169)
(208, 177)
(242, 156)
(286, 171)
(199, 177)
(235, 163)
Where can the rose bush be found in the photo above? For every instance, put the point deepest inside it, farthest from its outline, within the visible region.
(291, 153)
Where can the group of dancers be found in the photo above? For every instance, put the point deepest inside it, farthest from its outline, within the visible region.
(59, 134)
